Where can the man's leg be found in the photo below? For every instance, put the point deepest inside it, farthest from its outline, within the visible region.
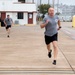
(48, 44)
(55, 46)
(49, 50)
(48, 47)
(8, 32)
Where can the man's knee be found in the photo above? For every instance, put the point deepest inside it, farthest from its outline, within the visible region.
(48, 45)
(55, 46)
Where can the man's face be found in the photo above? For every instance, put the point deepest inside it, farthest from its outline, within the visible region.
(51, 11)
(8, 16)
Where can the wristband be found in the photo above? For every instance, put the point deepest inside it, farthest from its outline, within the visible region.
(60, 27)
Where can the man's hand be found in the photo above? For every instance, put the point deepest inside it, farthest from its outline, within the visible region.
(43, 25)
(12, 24)
(5, 25)
(47, 21)
(59, 28)
(59, 25)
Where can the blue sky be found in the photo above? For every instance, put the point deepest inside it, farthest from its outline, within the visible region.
(68, 2)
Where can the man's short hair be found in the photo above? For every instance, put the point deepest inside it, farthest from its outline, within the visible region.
(8, 15)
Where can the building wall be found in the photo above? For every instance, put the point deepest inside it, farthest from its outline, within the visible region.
(24, 7)
(22, 21)
(34, 18)
(29, 1)
(12, 8)
(14, 16)
(8, 6)
(15, 1)
(8, 0)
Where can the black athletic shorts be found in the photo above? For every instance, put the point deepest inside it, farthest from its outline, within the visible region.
(8, 26)
(49, 39)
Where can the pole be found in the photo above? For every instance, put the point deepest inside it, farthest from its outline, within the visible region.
(53, 3)
(48, 1)
(57, 5)
(33, 1)
(40, 2)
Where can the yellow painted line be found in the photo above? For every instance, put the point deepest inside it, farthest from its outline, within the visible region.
(16, 25)
(0, 24)
(30, 25)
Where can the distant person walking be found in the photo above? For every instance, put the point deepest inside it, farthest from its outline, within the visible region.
(8, 23)
(50, 22)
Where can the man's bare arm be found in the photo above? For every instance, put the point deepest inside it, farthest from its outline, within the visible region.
(59, 25)
(5, 23)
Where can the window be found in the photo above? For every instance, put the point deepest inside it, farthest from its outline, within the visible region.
(23, 1)
(20, 15)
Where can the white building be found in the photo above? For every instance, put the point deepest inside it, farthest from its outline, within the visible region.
(21, 11)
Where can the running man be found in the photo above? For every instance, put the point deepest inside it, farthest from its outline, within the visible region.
(50, 22)
(8, 23)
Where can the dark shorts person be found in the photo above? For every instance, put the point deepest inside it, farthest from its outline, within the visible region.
(49, 39)
(8, 26)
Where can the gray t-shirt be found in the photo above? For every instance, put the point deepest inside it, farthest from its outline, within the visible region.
(51, 27)
(8, 21)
